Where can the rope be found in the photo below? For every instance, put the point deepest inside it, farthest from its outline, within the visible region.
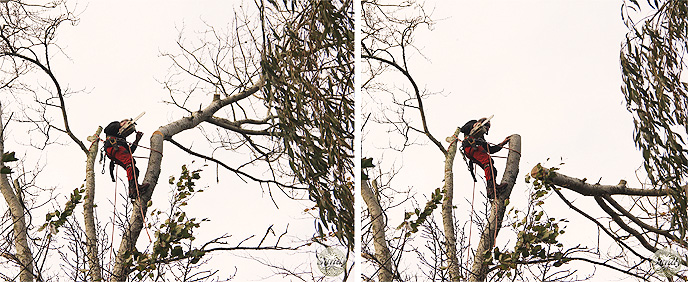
(154, 150)
(494, 190)
(112, 235)
(456, 138)
(114, 211)
(138, 145)
(504, 147)
(470, 227)
(138, 195)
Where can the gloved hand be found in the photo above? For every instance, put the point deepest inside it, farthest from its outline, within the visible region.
(139, 134)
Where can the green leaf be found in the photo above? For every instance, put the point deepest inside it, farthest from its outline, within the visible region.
(9, 157)
(367, 163)
(5, 170)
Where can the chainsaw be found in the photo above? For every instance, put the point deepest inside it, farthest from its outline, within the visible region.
(479, 128)
(129, 126)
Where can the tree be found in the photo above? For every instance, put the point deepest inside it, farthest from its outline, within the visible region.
(276, 91)
(23, 50)
(636, 220)
(388, 244)
(382, 256)
(23, 256)
(656, 93)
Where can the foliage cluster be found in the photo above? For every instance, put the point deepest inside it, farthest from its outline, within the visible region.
(308, 64)
(173, 237)
(7, 157)
(56, 219)
(422, 215)
(538, 234)
(652, 63)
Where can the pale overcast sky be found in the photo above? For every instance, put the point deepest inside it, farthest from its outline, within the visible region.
(114, 55)
(547, 70)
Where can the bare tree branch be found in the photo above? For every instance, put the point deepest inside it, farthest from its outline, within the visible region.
(416, 90)
(599, 225)
(237, 171)
(623, 225)
(626, 213)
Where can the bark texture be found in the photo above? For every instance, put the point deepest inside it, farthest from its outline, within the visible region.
(131, 234)
(24, 258)
(448, 208)
(494, 222)
(582, 187)
(94, 266)
(382, 254)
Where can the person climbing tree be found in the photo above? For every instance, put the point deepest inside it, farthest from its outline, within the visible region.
(478, 151)
(120, 152)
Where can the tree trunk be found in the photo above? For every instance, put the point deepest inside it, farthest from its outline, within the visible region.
(448, 208)
(131, 234)
(21, 242)
(494, 223)
(94, 266)
(382, 254)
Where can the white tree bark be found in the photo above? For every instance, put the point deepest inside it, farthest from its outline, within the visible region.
(21, 242)
(580, 186)
(494, 222)
(131, 234)
(382, 254)
(448, 208)
(94, 266)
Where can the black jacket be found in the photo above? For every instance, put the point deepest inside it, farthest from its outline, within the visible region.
(114, 138)
(476, 141)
